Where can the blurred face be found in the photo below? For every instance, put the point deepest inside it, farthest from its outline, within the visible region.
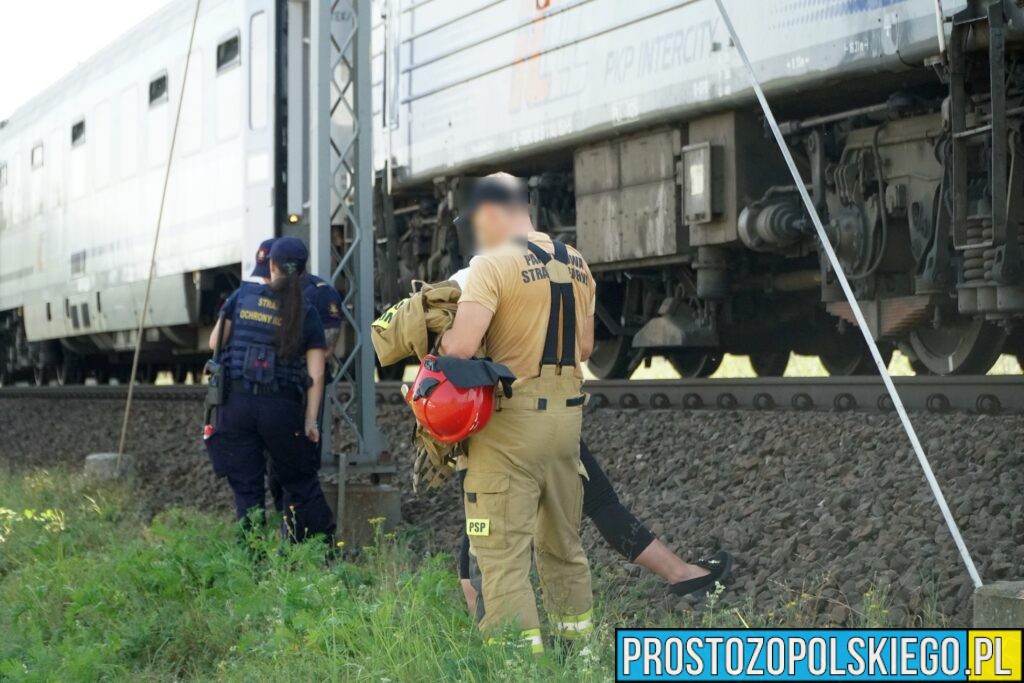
(494, 224)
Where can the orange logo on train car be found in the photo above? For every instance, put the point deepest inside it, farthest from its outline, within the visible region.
(530, 86)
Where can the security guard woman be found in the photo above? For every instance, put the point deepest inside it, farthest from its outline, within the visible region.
(274, 357)
(326, 300)
(322, 295)
(531, 301)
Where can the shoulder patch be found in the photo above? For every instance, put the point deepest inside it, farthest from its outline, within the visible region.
(384, 322)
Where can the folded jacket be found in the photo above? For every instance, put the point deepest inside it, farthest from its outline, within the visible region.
(404, 330)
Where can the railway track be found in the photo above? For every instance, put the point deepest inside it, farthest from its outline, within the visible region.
(982, 395)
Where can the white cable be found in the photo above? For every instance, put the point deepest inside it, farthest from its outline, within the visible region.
(858, 314)
(940, 26)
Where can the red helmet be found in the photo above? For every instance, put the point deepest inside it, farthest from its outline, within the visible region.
(449, 413)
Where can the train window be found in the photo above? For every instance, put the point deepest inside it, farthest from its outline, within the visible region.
(99, 304)
(74, 317)
(49, 312)
(228, 53)
(37, 156)
(259, 83)
(78, 133)
(85, 315)
(3, 175)
(158, 90)
(78, 263)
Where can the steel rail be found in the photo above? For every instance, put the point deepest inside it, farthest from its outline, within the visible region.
(993, 395)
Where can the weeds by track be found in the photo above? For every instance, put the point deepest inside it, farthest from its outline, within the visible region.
(984, 395)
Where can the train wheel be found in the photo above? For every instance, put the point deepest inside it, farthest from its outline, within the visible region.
(920, 368)
(611, 358)
(179, 373)
(965, 347)
(68, 372)
(769, 363)
(39, 375)
(694, 363)
(851, 362)
(102, 374)
(146, 373)
(1020, 359)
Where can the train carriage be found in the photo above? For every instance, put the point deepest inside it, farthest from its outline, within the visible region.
(641, 140)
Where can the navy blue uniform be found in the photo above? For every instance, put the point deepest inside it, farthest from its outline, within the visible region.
(264, 413)
(324, 297)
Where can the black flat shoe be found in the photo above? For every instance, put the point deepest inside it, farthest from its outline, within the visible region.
(719, 565)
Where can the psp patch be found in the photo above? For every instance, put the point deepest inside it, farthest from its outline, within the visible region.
(478, 527)
(384, 322)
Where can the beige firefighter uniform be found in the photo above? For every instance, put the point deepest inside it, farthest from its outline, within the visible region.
(523, 487)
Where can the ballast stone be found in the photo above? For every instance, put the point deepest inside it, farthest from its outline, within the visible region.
(999, 604)
(103, 466)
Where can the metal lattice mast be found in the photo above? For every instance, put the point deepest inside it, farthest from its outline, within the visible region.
(341, 220)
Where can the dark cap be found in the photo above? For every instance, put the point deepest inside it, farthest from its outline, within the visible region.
(501, 189)
(290, 251)
(262, 268)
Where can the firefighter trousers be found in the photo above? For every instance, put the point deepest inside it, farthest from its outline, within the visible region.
(524, 493)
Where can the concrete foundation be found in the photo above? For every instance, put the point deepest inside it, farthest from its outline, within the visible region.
(364, 502)
(999, 605)
(103, 466)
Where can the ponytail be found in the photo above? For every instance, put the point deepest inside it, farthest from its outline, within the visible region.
(293, 310)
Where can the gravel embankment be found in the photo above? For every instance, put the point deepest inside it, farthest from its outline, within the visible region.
(822, 504)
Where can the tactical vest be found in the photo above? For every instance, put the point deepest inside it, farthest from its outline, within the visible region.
(252, 358)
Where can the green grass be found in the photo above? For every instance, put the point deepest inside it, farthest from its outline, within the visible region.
(90, 590)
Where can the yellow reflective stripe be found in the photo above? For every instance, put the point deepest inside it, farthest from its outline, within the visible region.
(572, 635)
(574, 625)
(530, 636)
(533, 637)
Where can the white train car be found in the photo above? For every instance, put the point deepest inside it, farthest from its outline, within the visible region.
(81, 172)
(635, 125)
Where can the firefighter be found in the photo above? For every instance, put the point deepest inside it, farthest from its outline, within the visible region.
(325, 298)
(531, 301)
(404, 330)
(620, 528)
(274, 342)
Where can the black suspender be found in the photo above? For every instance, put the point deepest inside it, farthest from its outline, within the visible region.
(563, 301)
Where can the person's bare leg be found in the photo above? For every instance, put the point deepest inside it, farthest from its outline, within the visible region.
(658, 558)
(470, 593)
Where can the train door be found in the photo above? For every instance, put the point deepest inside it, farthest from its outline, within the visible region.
(259, 221)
